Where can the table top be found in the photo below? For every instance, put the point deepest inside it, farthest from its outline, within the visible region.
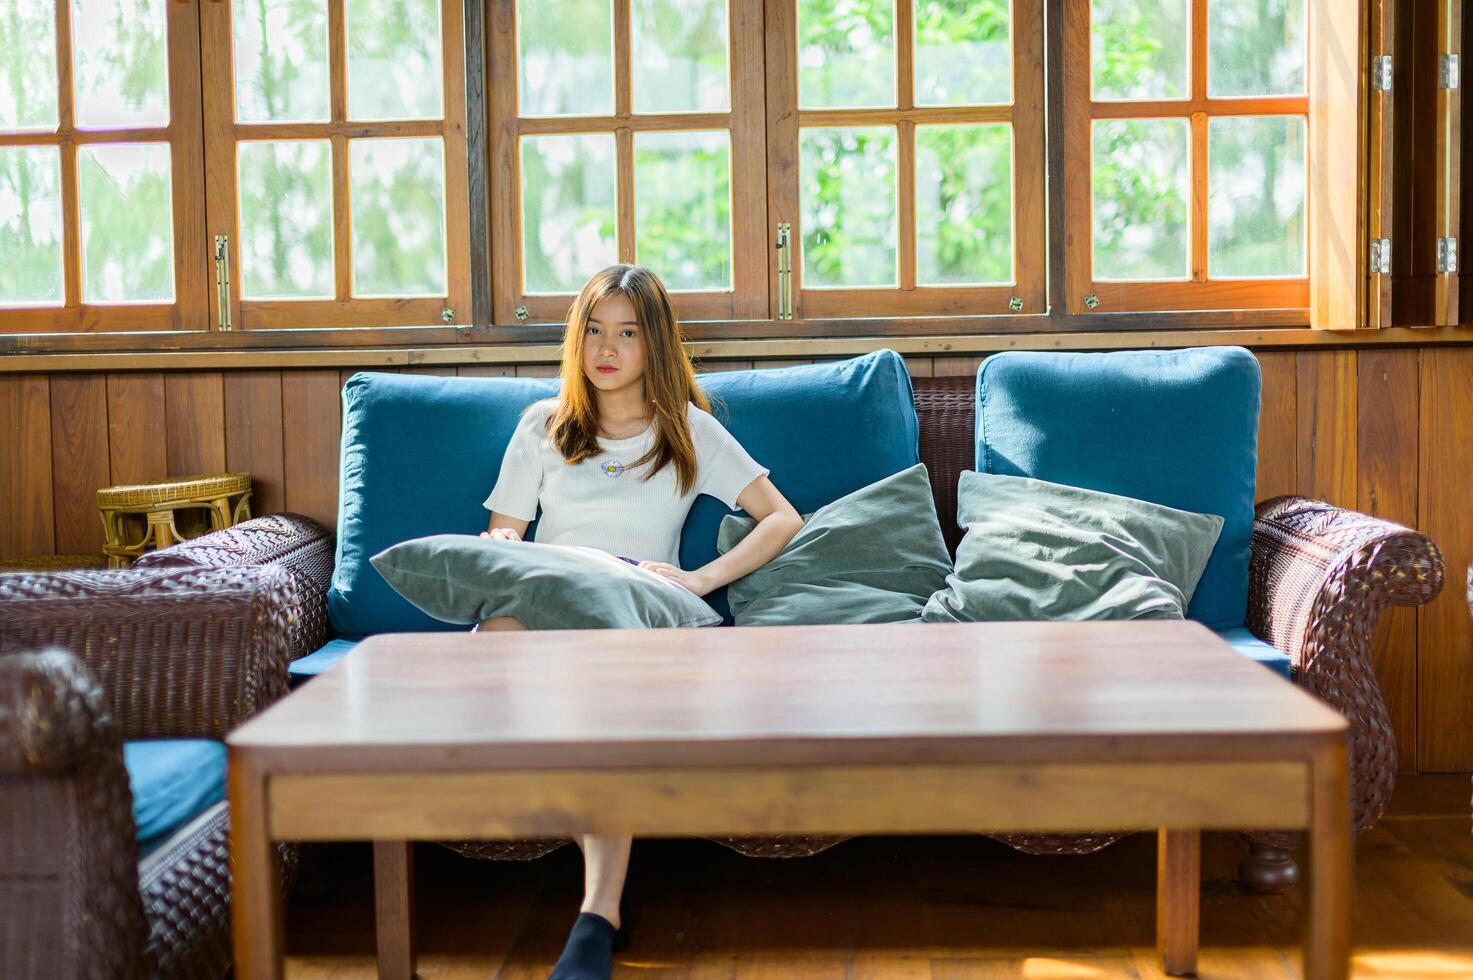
(788, 695)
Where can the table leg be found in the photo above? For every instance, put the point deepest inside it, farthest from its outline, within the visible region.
(1178, 897)
(393, 891)
(255, 900)
(1327, 906)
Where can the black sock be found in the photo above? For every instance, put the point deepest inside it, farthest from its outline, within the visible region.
(589, 954)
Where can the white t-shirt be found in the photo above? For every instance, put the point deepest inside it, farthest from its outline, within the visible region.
(601, 502)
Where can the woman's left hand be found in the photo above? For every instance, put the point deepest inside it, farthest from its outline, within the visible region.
(693, 581)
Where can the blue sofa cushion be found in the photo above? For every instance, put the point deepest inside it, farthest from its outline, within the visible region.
(320, 659)
(173, 780)
(1178, 428)
(824, 430)
(419, 455)
(1253, 648)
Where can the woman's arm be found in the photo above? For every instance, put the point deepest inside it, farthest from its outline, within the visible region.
(777, 523)
(504, 528)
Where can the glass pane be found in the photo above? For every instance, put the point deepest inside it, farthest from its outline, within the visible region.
(1141, 183)
(566, 51)
(397, 190)
(964, 204)
(1139, 49)
(847, 201)
(120, 55)
(568, 210)
(127, 223)
(846, 53)
(1255, 196)
(30, 225)
(285, 219)
(393, 59)
(682, 208)
(962, 55)
(280, 61)
(679, 56)
(1255, 47)
(27, 65)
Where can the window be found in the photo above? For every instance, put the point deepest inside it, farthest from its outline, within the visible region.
(101, 186)
(1190, 119)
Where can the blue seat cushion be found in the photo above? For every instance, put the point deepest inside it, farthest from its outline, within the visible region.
(173, 780)
(322, 658)
(1255, 649)
(824, 430)
(1178, 428)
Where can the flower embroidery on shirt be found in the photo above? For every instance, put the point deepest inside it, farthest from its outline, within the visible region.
(613, 469)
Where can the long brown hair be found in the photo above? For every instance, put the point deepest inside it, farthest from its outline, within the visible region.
(669, 378)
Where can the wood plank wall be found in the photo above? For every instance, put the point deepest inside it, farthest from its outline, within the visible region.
(1389, 432)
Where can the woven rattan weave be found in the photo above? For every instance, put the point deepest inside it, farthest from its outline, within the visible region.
(156, 515)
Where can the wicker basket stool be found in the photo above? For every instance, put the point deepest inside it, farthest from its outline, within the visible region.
(155, 515)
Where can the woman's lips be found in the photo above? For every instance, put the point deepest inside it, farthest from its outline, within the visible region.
(606, 369)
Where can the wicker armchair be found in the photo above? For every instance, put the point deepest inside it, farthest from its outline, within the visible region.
(87, 660)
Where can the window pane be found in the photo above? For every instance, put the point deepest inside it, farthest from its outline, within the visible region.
(962, 52)
(568, 210)
(847, 202)
(127, 223)
(27, 65)
(566, 50)
(1255, 47)
(280, 61)
(397, 189)
(679, 56)
(119, 51)
(393, 59)
(964, 204)
(285, 219)
(1141, 183)
(30, 225)
(682, 208)
(846, 53)
(1138, 49)
(1255, 196)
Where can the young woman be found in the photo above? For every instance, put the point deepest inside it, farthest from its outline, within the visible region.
(616, 460)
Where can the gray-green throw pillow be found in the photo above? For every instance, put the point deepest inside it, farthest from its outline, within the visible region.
(1042, 551)
(873, 556)
(464, 578)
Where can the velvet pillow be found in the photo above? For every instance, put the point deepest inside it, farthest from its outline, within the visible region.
(465, 578)
(1044, 551)
(872, 556)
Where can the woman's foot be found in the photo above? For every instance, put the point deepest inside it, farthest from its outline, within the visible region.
(589, 953)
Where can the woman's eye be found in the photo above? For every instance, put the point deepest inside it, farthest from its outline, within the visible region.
(591, 330)
(627, 333)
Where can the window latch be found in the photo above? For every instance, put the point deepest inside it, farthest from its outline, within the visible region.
(222, 279)
(1447, 71)
(1381, 255)
(1447, 255)
(1381, 73)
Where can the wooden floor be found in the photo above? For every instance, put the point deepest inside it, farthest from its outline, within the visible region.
(943, 908)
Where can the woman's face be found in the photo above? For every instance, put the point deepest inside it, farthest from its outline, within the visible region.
(613, 349)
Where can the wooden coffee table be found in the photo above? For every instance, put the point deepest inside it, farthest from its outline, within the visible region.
(914, 729)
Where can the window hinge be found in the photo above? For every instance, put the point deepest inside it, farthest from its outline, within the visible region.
(784, 271)
(1381, 73)
(1447, 255)
(1447, 71)
(1381, 255)
(222, 279)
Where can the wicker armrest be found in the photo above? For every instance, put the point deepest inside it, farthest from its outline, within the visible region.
(69, 903)
(1319, 580)
(299, 544)
(182, 652)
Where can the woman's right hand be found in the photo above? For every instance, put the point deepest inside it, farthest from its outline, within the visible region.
(501, 534)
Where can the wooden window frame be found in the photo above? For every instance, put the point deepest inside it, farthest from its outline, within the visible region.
(747, 297)
(223, 133)
(1199, 291)
(1024, 114)
(187, 192)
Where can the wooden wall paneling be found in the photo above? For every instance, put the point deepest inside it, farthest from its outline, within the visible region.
(1386, 454)
(714, 366)
(920, 367)
(447, 371)
(1444, 629)
(537, 370)
(1449, 145)
(253, 436)
(1278, 426)
(136, 429)
(312, 412)
(79, 463)
(943, 367)
(194, 422)
(1326, 467)
(25, 467)
(485, 371)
